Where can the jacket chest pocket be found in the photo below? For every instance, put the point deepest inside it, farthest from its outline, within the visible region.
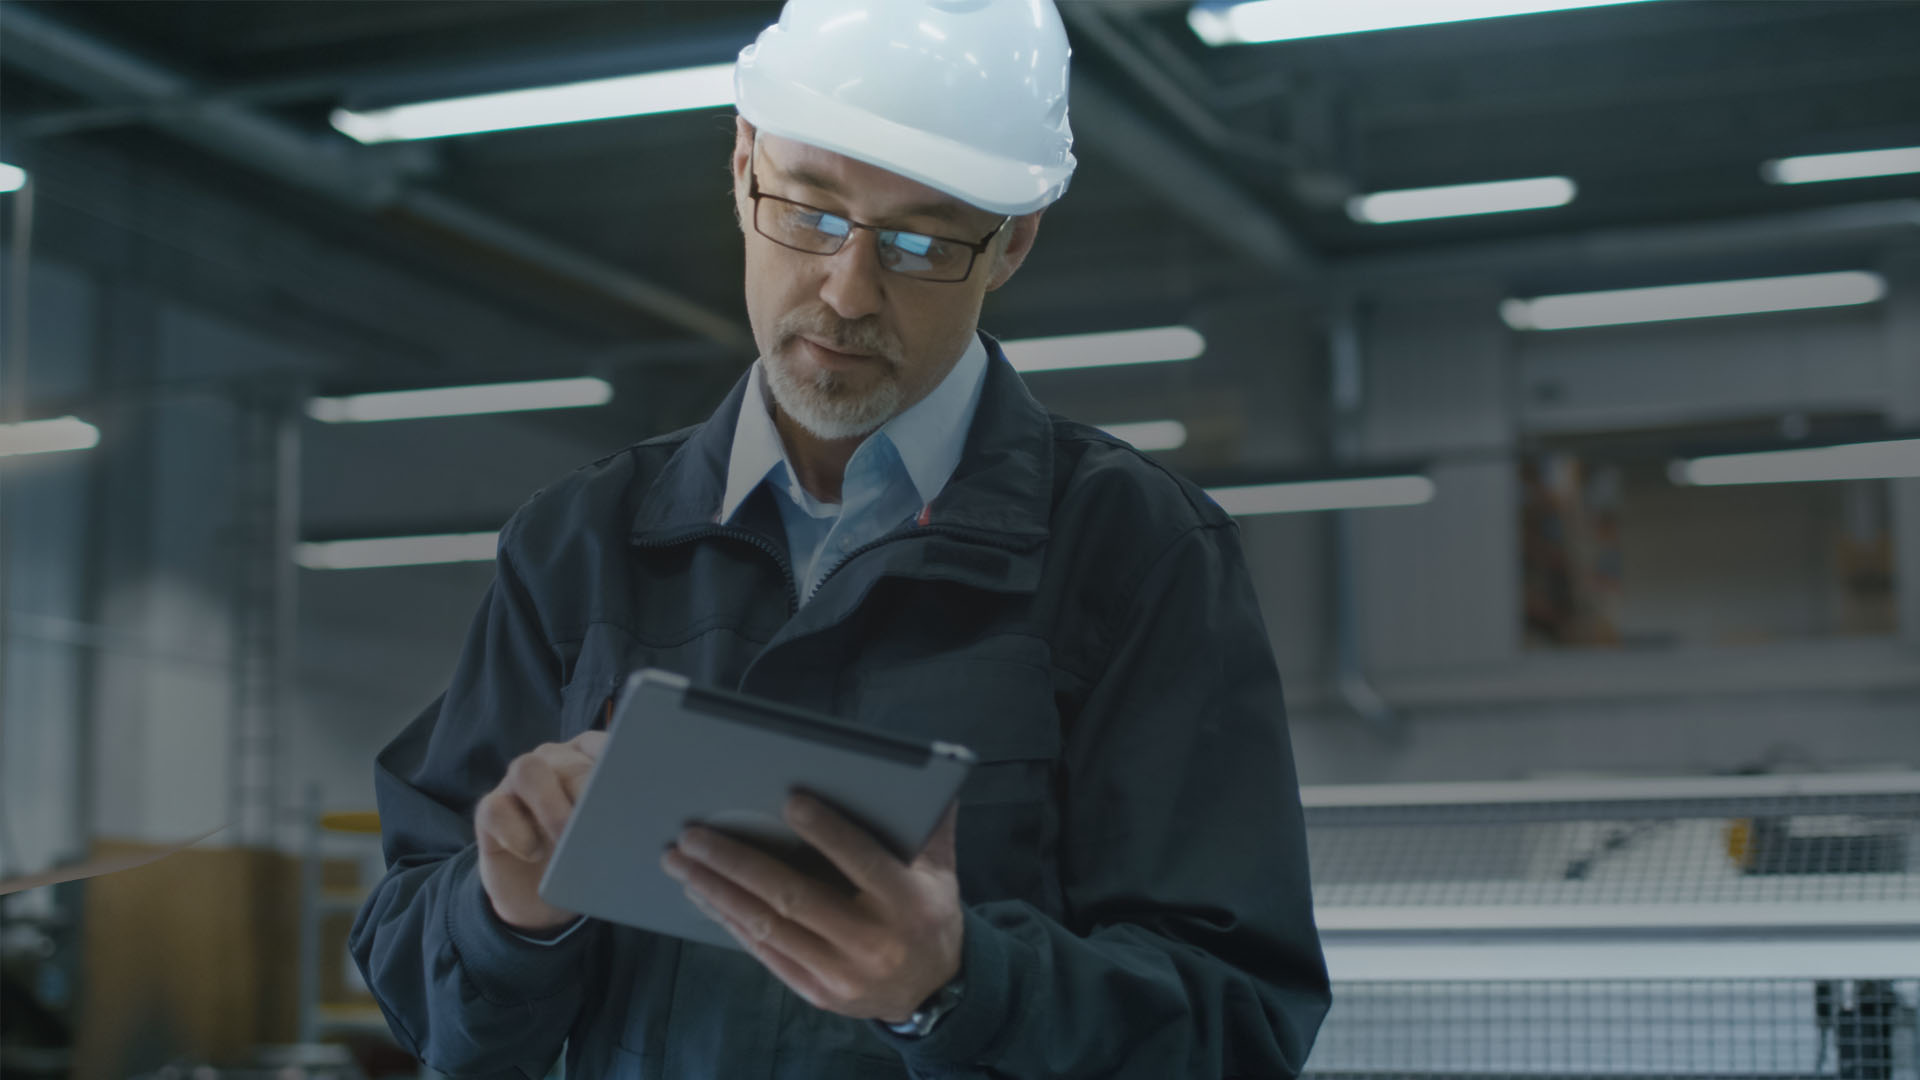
(605, 657)
(1000, 707)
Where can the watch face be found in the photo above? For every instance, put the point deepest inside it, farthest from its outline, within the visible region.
(931, 1012)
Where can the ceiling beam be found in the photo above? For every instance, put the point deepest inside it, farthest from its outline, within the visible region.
(330, 166)
(1891, 224)
(1192, 186)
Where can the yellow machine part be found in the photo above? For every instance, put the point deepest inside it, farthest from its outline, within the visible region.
(351, 821)
(1740, 842)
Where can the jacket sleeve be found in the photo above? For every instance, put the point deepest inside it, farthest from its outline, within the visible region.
(460, 989)
(1192, 950)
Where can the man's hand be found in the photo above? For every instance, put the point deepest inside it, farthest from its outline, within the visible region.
(519, 823)
(877, 954)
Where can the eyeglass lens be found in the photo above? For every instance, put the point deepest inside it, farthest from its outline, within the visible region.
(805, 228)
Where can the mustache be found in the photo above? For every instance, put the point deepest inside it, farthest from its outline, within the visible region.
(864, 336)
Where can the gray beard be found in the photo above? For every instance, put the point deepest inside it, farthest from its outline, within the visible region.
(825, 407)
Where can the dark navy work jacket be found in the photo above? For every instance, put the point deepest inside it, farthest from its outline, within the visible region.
(1130, 846)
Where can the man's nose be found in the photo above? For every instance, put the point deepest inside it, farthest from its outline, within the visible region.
(853, 285)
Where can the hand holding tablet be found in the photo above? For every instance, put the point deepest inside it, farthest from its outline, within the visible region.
(679, 755)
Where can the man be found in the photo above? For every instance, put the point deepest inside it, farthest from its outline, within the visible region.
(879, 523)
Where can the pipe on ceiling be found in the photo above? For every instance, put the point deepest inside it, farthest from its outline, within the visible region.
(334, 168)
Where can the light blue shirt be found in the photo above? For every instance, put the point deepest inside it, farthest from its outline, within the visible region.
(894, 474)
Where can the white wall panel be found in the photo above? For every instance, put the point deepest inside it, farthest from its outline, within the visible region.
(43, 509)
(1703, 369)
(1902, 361)
(1437, 374)
(163, 722)
(1438, 584)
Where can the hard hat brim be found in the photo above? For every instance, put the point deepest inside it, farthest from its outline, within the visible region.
(993, 183)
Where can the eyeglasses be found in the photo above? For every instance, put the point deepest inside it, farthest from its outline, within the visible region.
(819, 232)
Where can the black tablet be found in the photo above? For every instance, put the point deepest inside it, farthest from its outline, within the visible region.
(679, 754)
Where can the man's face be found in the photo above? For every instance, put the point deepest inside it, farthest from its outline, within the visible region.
(848, 344)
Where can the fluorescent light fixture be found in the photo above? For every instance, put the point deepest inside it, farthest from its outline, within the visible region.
(704, 87)
(1287, 20)
(1815, 168)
(47, 436)
(1703, 300)
(1151, 434)
(1459, 200)
(1151, 346)
(1361, 493)
(397, 551)
(1885, 460)
(461, 401)
(12, 177)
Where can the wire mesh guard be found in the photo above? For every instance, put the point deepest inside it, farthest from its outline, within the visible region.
(1535, 898)
(1852, 1029)
(1827, 849)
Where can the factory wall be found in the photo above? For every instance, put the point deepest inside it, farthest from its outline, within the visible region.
(1439, 583)
(43, 510)
(119, 693)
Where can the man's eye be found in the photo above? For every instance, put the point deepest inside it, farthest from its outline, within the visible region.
(916, 244)
(830, 224)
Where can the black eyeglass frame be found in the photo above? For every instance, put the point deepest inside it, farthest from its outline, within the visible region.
(976, 248)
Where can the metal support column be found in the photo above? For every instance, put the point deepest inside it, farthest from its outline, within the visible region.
(265, 521)
(1347, 397)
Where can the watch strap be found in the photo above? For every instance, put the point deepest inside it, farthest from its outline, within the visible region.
(931, 1011)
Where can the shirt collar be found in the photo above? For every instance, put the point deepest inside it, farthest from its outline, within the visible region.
(757, 449)
(929, 437)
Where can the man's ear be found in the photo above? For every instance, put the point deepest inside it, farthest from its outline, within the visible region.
(1020, 233)
(743, 134)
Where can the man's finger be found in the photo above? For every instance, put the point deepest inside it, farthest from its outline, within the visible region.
(940, 850)
(573, 782)
(797, 978)
(502, 821)
(590, 742)
(789, 893)
(849, 847)
(539, 787)
(757, 918)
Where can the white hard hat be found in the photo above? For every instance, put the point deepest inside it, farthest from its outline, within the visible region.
(966, 96)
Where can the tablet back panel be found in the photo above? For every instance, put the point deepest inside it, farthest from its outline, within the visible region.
(678, 755)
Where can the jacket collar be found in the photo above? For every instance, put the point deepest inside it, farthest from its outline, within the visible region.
(1002, 489)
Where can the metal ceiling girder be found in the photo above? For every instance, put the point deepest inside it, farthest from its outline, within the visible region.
(1890, 222)
(336, 169)
(1192, 186)
(360, 312)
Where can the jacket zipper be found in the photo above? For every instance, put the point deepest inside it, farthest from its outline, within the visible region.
(754, 538)
(915, 530)
(786, 570)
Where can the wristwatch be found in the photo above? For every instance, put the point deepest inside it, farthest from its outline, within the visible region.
(931, 1011)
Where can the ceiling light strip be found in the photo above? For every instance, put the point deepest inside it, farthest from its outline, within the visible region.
(12, 178)
(47, 436)
(1150, 435)
(705, 87)
(1884, 460)
(1460, 200)
(461, 401)
(1818, 168)
(1162, 344)
(397, 551)
(1361, 493)
(1288, 20)
(1694, 301)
